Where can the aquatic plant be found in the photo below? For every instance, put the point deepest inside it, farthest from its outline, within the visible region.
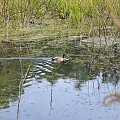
(63, 18)
(75, 10)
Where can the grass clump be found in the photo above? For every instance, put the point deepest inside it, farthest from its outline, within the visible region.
(85, 14)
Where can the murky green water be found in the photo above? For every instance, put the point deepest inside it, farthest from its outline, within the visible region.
(34, 88)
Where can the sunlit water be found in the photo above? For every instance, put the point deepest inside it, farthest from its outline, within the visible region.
(66, 91)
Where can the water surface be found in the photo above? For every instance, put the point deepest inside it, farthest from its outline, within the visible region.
(34, 88)
(69, 91)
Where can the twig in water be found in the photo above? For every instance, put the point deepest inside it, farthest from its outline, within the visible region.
(20, 90)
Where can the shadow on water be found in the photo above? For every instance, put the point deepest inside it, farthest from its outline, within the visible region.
(56, 90)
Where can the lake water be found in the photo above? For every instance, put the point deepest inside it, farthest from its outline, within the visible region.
(34, 88)
(69, 91)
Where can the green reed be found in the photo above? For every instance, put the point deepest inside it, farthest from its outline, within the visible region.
(19, 11)
(87, 13)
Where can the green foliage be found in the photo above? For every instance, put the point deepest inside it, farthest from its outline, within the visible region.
(21, 11)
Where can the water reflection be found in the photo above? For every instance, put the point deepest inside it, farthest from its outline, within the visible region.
(10, 76)
(51, 90)
(111, 76)
(44, 69)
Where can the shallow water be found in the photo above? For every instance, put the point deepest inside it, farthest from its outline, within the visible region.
(34, 88)
(69, 91)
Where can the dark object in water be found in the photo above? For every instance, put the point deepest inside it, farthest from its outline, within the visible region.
(59, 59)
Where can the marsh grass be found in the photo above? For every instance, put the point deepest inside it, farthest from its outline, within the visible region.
(76, 10)
(86, 17)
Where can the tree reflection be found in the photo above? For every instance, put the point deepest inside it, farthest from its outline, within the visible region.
(10, 76)
(111, 77)
(43, 69)
(52, 71)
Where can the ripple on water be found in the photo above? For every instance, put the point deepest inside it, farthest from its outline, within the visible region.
(58, 92)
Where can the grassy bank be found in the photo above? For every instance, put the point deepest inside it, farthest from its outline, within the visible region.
(57, 19)
(76, 11)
